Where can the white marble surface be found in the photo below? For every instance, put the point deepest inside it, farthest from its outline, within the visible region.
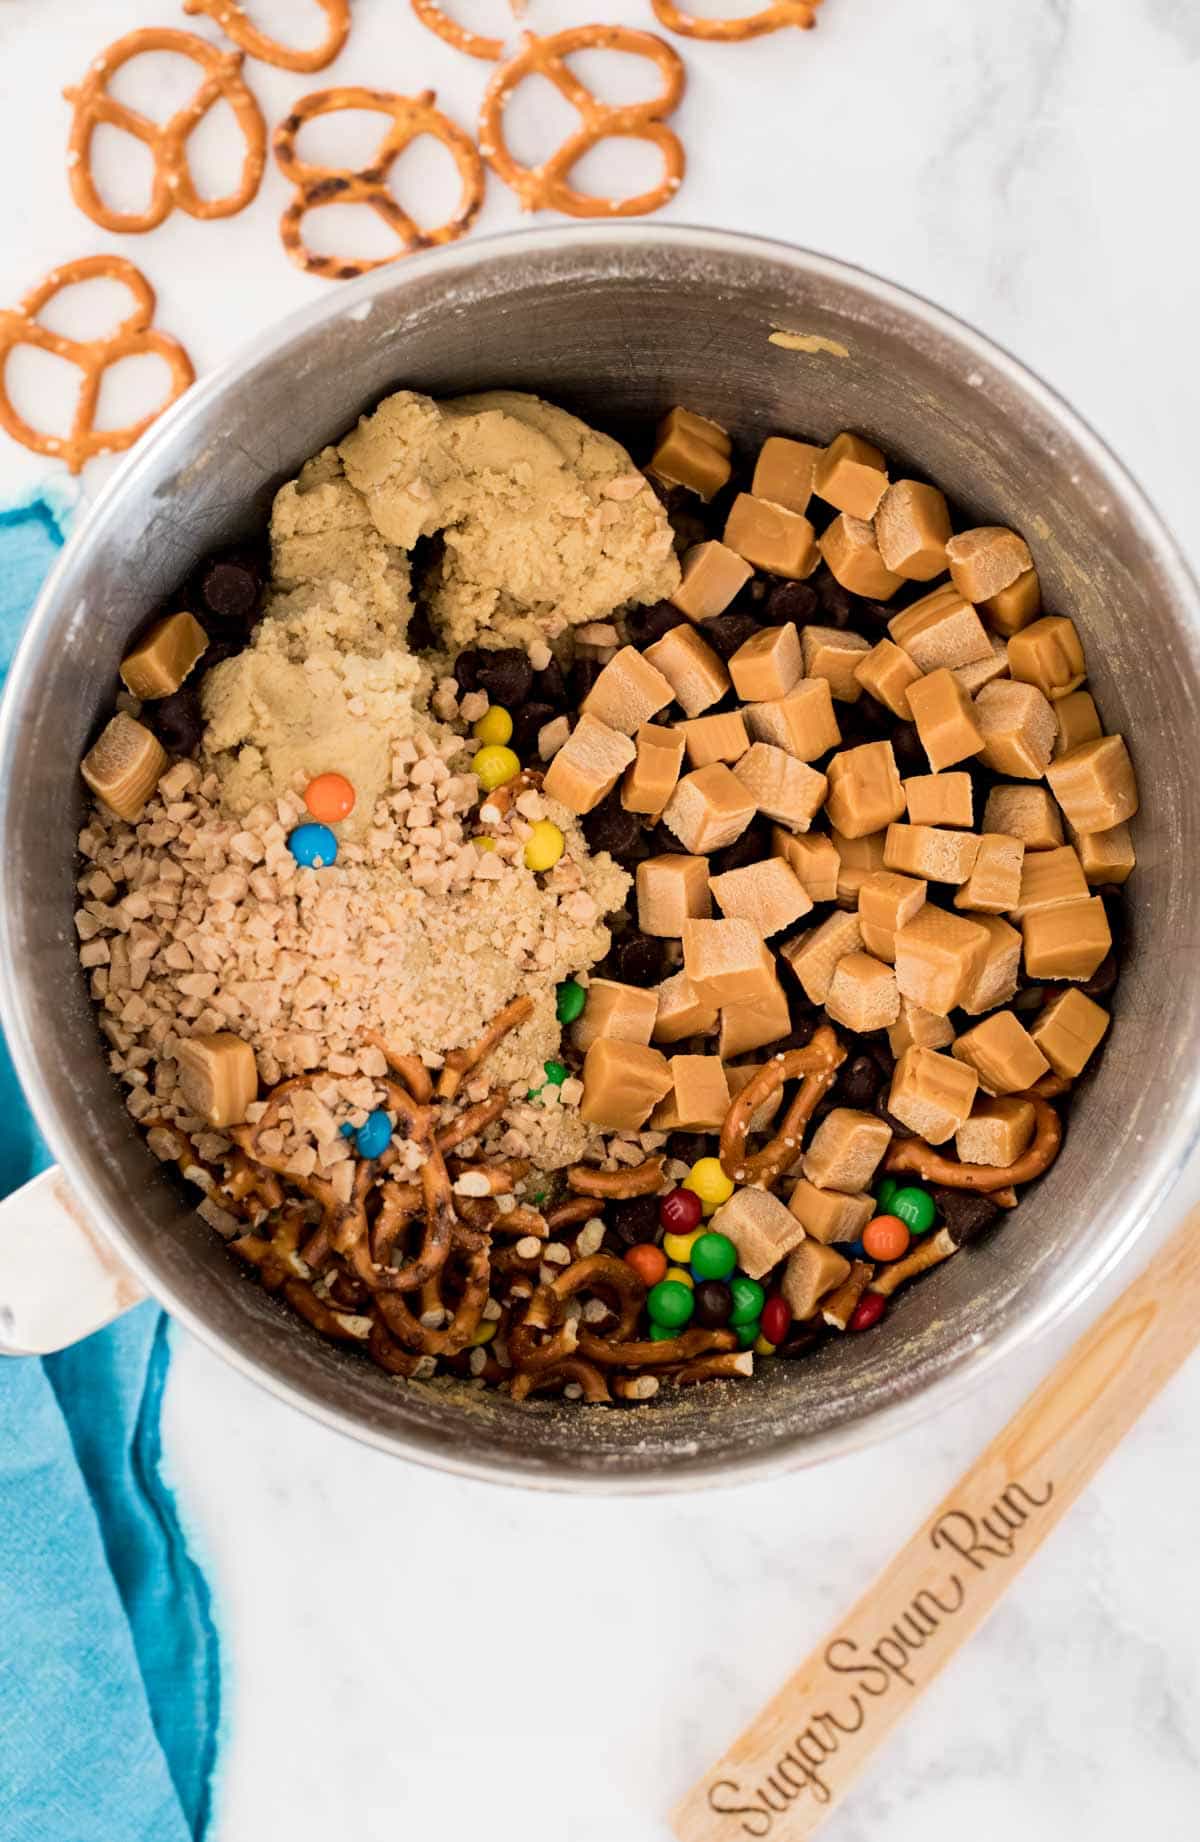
(392, 1670)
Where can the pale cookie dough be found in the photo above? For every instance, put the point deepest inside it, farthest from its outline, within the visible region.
(321, 534)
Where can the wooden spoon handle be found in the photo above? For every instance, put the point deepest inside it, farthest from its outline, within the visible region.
(796, 1760)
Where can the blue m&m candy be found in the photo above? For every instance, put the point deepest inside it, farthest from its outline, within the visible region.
(313, 846)
(374, 1137)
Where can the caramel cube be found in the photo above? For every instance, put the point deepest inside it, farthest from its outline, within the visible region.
(727, 962)
(886, 672)
(124, 766)
(1027, 813)
(1015, 606)
(783, 788)
(1078, 722)
(926, 850)
(691, 451)
(845, 1150)
(753, 1026)
(741, 1077)
(858, 859)
(628, 692)
(862, 994)
(827, 1215)
(918, 1026)
(772, 538)
(938, 958)
(164, 656)
(804, 722)
(814, 956)
(1069, 1031)
(714, 738)
(712, 575)
(939, 799)
(851, 475)
(690, 667)
(1002, 1053)
(979, 672)
(986, 560)
(831, 654)
(1018, 728)
(997, 1133)
(852, 556)
(680, 1012)
(942, 629)
(671, 890)
(912, 526)
(1050, 879)
(622, 1084)
(768, 665)
(813, 858)
(1048, 654)
(886, 902)
(811, 1274)
(626, 1013)
(996, 981)
(1106, 856)
(945, 719)
(767, 894)
(865, 794)
(761, 1228)
(588, 765)
(708, 809)
(994, 885)
(932, 1094)
(699, 1099)
(1066, 943)
(218, 1077)
(1095, 785)
(783, 472)
(650, 782)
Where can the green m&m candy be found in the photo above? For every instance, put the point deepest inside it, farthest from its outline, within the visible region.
(670, 1304)
(915, 1208)
(883, 1195)
(570, 1001)
(714, 1256)
(748, 1301)
(747, 1334)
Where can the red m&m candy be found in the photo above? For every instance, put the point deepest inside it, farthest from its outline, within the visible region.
(680, 1211)
(869, 1309)
(776, 1318)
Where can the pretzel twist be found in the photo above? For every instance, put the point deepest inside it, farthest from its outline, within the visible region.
(816, 1067)
(773, 18)
(913, 1154)
(460, 1062)
(229, 15)
(453, 32)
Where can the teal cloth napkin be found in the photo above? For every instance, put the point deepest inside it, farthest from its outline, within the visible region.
(109, 1657)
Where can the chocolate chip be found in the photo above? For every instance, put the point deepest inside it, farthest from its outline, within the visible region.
(1031, 998)
(689, 1147)
(906, 746)
(636, 1220)
(177, 720)
(794, 601)
(726, 632)
(753, 845)
(875, 614)
(583, 675)
(610, 828)
(837, 603)
(506, 676)
(964, 1214)
(858, 1083)
(637, 959)
(799, 1036)
(799, 1343)
(1103, 981)
(550, 686)
(528, 720)
(466, 668)
(647, 624)
(713, 1304)
(231, 587)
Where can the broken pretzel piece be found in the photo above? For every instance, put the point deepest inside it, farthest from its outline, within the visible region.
(802, 13)
(231, 17)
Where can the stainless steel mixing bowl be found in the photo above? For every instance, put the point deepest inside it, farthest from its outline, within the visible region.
(618, 324)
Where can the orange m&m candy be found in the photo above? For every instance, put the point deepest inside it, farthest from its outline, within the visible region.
(648, 1262)
(885, 1238)
(329, 797)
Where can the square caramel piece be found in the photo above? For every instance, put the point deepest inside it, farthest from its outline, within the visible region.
(986, 560)
(699, 1099)
(831, 654)
(827, 1215)
(804, 722)
(1095, 784)
(1049, 654)
(1002, 1053)
(712, 575)
(885, 902)
(691, 451)
(932, 1094)
(851, 475)
(1018, 728)
(979, 672)
(1066, 943)
(1027, 813)
(588, 765)
(845, 1150)
(671, 890)
(124, 766)
(782, 788)
(680, 1012)
(714, 738)
(1106, 856)
(690, 667)
(1015, 606)
(812, 1273)
(942, 629)
(752, 1026)
(852, 557)
(1078, 721)
(996, 981)
(916, 1026)
(768, 894)
(912, 526)
(1069, 1031)
(708, 809)
(783, 472)
(939, 799)
(163, 657)
(772, 538)
(858, 858)
(650, 782)
(728, 962)
(938, 958)
(994, 885)
(626, 1013)
(628, 692)
(997, 1133)
(926, 850)
(761, 1227)
(862, 994)
(945, 719)
(886, 673)
(1050, 879)
(768, 665)
(814, 956)
(622, 1084)
(813, 858)
(865, 794)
